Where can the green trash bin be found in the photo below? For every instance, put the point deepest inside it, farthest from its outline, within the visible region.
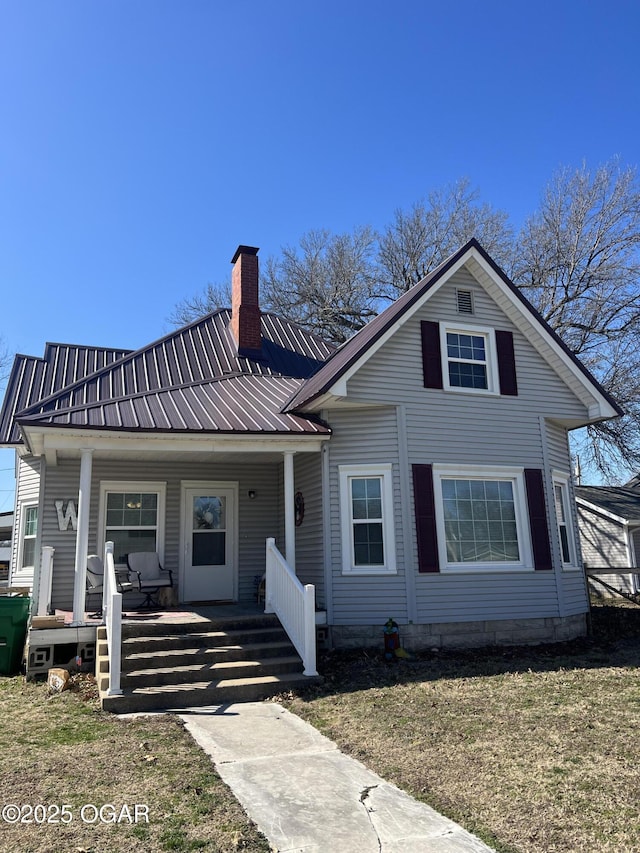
(14, 615)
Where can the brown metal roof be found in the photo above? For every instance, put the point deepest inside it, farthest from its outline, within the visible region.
(164, 385)
(231, 404)
(33, 379)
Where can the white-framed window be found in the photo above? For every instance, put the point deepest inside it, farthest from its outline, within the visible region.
(564, 520)
(469, 360)
(482, 518)
(29, 536)
(366, 504)
(132, 517)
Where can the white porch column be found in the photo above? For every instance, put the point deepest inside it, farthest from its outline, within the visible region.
(82, 536)
(289, 511)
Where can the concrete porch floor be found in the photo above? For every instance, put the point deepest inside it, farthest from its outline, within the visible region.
(182, 613)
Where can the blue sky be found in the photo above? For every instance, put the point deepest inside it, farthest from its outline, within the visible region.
(143, 140)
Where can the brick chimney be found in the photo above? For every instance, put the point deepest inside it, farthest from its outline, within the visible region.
(245, 308)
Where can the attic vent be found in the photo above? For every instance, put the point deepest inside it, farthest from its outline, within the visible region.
(465, 301)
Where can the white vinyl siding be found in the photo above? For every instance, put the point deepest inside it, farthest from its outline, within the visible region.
(357, 439)
(309, 542)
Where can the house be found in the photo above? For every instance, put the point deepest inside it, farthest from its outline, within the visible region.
(609, 524)
(6, 531)
(419, 471)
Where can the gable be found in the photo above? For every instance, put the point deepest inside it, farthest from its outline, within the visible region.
(330, 384)
(395, 373)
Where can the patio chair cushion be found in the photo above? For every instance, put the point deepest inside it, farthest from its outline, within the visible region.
(146, 566)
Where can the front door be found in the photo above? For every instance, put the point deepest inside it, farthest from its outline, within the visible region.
(209, 531)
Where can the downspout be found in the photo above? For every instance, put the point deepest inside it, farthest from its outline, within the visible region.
(82, 536)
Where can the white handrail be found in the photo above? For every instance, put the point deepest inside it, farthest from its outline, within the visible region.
(112, 610)
(293, 604)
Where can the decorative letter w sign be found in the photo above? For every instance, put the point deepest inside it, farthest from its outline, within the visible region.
(68, 516)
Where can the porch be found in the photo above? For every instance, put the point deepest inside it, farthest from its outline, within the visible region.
(206, 514)
(181, 656)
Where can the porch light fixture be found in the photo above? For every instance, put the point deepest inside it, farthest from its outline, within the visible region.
(134, 504)
(252, 494)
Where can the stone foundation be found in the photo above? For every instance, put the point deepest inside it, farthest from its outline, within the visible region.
(464, 635)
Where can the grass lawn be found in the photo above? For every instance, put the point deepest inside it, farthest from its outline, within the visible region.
(534, 749)
(62, 750)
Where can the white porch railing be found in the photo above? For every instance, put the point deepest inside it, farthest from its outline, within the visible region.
(43, 601)
(293, 604)
(112, 610)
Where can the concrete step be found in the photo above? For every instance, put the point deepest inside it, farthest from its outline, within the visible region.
(204, 639)
(203, 693)
(185, 625)
(213, 673)
(203, 655)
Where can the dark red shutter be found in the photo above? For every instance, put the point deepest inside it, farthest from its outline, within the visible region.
(425, 511)
(506, 363)
(431, 359)
(538, 519)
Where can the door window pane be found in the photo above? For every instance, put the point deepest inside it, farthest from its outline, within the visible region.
(209, 549)
(209, 513)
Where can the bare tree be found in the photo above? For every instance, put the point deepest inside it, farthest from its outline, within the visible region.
(579, 264)
(326, 283)
(5, 363)
(191, 308)
(421, 238)
(577, 259)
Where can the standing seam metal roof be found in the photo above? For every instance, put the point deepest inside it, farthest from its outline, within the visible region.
(229, 404)
(33, 379)
(158, 384)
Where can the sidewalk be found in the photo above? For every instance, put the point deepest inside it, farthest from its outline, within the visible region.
(307, 796)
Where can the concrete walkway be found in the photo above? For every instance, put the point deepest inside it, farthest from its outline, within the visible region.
(307, 796)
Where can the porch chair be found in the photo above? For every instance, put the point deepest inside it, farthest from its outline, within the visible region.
(145, 566)
(95, 581)
(95, 577)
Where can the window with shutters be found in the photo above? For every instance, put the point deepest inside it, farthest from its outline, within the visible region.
(564, 520)
(366, 505)
(469, 359)
(481, 518)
